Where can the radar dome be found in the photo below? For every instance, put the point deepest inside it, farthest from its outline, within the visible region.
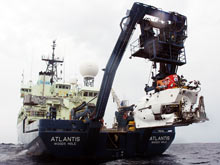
(89, 69)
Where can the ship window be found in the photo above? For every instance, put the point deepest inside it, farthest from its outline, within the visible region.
(60, 86)
(85, 94)
(90, 94)
(57, 86)
(67, 87)
(95, 94)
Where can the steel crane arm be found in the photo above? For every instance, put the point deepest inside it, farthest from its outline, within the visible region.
(136, 14)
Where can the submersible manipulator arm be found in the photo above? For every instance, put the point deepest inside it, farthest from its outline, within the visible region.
(134, 16)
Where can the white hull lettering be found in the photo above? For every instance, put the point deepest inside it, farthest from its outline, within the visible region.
(159, 138)
(65, 139)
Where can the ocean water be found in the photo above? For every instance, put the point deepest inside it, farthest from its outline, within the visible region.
(177, 154)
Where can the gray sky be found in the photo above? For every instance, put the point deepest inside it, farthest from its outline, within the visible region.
(89, 30)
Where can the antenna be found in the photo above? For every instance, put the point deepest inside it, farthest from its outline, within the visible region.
(52, 64)
(64, 72)
(31, 69)
(22, 76)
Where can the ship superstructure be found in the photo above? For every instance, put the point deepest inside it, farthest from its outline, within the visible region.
(50, 98)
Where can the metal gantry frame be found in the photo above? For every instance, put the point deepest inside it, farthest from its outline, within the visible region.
(136, 14)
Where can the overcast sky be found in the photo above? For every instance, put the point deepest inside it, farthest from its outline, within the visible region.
(88, 29)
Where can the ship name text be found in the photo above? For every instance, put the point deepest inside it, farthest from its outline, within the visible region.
(66, 140)
(159, 139)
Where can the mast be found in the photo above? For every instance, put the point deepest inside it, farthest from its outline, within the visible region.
(52, 64)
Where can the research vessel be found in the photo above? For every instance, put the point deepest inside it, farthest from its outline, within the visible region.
(66, 119)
